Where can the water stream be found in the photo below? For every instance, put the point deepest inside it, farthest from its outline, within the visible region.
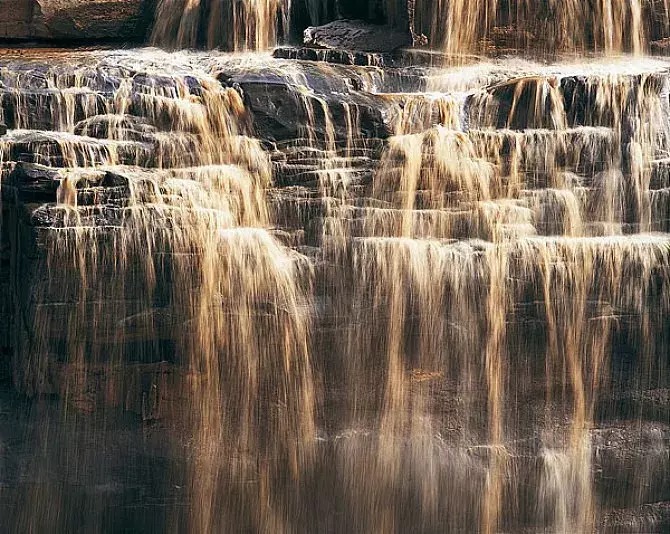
(253, 294)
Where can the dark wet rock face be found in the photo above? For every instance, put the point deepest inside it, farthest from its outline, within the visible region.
(280, 111)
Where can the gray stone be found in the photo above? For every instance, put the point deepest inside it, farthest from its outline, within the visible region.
(356, 35)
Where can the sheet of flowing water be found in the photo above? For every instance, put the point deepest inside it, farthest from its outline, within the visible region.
(606, 26)
(226, 24)
(429, 354)
(457, 27)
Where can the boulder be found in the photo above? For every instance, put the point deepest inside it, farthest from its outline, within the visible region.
(357, 35)
(281, 111)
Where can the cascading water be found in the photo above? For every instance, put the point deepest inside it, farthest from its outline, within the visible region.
(227, 309)
(227, 24)
(253, 294)
(457, 27)
(462, 26)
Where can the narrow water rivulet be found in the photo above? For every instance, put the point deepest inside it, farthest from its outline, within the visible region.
(333, 290)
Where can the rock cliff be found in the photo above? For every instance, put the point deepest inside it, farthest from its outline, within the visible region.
(76, 20)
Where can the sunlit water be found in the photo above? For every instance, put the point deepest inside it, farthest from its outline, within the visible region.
(424, 320)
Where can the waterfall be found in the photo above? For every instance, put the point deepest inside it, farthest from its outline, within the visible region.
(344, 294)
(457, 27)
(466, 27)
(227, 24)
(229, 308)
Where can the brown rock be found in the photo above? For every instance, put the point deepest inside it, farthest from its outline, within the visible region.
(97, 19)
(75, 20)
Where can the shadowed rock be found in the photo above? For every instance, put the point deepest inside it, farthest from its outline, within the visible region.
(356, 36)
